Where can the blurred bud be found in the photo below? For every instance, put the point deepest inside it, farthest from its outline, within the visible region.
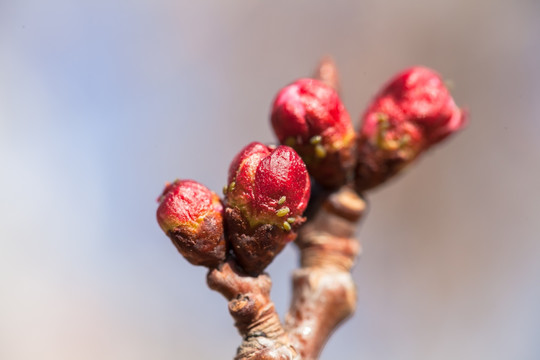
(413, 112)
(192, 217)
(309, 116)
(268, 190)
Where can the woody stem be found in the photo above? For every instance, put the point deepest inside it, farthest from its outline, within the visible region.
(254, 313)
(324, 293)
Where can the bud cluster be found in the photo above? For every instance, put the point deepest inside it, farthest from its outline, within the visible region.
(412, 112)
(268, 190)
(268, 187)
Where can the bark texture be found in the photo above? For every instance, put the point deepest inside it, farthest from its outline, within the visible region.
(254, 313)
(324, 293)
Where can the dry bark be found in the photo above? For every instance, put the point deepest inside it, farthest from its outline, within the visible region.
(254, 313)
(324, 293)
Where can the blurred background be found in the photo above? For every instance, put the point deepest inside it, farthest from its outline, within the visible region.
(103, 101)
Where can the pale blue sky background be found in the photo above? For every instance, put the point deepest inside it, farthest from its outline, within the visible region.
(101, 102)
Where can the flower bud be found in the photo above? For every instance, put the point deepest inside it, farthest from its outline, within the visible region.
(309, 116)
(413, 112)
(192, 217)
(268, 190)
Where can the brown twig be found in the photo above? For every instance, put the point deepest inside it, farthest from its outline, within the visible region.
(324, 293)
(254, 313)
(327, 73)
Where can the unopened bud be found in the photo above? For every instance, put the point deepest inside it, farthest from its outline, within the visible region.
(192, 217)
(271, 186)
(413, 112)
(309, 116)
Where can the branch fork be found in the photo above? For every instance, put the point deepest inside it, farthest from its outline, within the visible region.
(269, 189)
(324, 294)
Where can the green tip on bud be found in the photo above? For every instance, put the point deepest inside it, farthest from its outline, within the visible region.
(283, 211)
(315, 140)
(287, 226)
(320, 151)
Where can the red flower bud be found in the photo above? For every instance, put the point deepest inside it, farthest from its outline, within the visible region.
(309, 116)
(192, 216)
(413, 112)
(267, 193)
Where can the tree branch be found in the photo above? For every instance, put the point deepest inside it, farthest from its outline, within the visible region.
(254, 313)
(324, 293)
